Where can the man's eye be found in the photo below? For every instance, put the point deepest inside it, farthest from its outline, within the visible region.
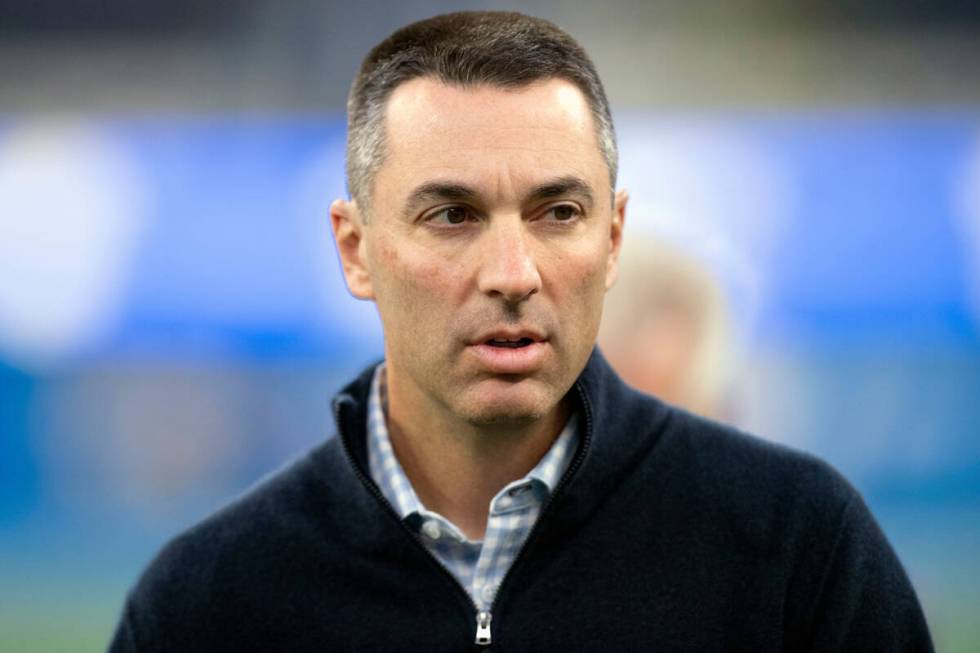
(564, 212)
(450, 215)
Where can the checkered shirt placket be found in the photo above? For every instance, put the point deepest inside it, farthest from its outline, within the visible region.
(478, 566)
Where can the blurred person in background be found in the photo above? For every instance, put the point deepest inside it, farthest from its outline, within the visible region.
(666, 329)
(493, 480)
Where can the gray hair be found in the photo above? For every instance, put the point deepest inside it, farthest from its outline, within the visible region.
(504, 49)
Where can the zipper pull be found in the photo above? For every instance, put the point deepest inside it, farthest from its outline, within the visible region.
(483, 620)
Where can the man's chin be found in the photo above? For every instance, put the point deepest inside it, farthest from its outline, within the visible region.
(511, 417)
(519, 406)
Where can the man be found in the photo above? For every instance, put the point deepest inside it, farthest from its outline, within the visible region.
(493, 482)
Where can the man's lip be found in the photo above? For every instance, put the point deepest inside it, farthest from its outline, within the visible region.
(526, 359)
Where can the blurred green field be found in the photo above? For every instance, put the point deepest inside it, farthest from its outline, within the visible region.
(69, 620)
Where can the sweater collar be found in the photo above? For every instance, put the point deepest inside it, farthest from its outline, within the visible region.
(618, 426)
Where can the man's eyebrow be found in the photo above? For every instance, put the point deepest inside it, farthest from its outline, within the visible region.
(449, 191)
(437, 190)
(564, 186)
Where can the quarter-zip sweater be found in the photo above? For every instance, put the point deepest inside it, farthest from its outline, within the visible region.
(667, 532)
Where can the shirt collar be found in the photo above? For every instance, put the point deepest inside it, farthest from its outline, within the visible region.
(385, 469)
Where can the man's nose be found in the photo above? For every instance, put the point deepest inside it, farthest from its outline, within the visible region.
(508, 267)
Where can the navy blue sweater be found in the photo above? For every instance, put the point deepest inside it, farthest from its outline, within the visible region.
(667, 533)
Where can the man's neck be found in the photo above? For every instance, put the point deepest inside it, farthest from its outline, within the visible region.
(456, 467)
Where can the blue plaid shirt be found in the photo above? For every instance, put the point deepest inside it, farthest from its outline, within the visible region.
(479, 566)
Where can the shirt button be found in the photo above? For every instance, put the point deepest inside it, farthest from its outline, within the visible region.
(488, 592)
(431, 529)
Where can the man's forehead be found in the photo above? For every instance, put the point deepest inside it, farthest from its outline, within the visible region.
(425, 107)
(530, 133)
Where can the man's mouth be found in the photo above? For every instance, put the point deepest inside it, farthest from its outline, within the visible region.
(511, 344)
(511, 351)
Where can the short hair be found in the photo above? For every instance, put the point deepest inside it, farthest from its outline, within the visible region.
(505, 49)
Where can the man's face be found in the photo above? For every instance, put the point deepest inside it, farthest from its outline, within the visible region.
(491, 242)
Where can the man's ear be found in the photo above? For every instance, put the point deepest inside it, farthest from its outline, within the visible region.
(348, 233)
(616, 236)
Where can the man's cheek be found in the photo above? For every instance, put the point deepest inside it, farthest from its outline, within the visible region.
(585, 275)
(410, 278)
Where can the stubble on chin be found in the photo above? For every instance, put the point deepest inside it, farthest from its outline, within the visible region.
(491, 404)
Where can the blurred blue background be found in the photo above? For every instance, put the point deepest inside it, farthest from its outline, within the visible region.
(173, 320)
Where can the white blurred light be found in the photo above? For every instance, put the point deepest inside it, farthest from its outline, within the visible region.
(70, 211)
(711, 192)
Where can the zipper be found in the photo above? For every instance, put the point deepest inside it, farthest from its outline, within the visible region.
(376, 492)
(572, 468)
(483, 620)
(483, 617)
